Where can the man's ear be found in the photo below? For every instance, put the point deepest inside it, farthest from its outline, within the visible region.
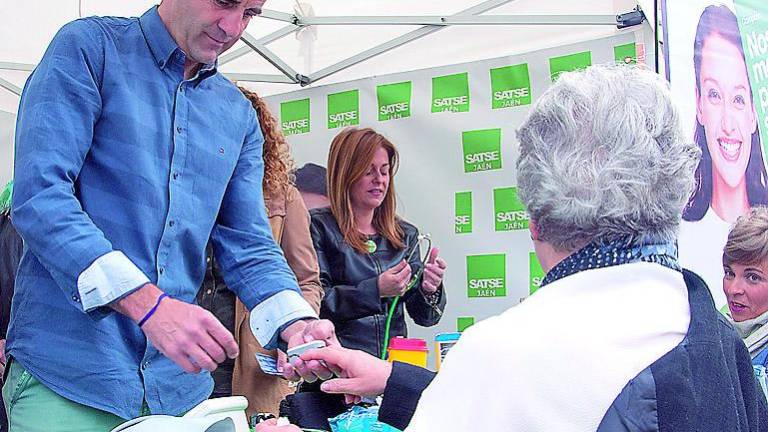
(533, 229)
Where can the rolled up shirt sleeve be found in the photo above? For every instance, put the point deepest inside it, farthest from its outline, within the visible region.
(272, 315)
(109, 278)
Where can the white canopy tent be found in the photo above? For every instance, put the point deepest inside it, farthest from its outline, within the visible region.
(297, 42)
(313, 42)
(336, 40)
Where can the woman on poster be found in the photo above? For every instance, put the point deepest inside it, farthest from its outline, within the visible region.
(731, 175)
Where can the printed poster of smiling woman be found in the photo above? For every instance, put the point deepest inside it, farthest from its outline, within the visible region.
(716, 65)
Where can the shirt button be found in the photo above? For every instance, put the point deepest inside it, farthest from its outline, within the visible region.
(175, 175)
(171, 223)
(209, 291)
(161, 270)
(76, 298)
(178, 129)
(144, 365)
(181, 89)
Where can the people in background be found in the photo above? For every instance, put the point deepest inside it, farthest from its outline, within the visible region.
(618, 337)
(132, 151)
(731, 175)
(11, 247)
(369, 257)
(289, 220)
(745, 265)
(311, 183)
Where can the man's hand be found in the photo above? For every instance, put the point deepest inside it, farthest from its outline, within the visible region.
(362, 375)
(187, 334)
(271, 426)
(434, 272)
(394, 281)
(302, 332)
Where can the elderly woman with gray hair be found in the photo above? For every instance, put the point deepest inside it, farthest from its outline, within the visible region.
(619, 337)
(745, 283)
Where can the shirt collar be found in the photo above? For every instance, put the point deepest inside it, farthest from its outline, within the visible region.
(158, 37)
(607, 253)
(162, 45)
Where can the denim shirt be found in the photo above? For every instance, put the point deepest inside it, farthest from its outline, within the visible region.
(124, 170)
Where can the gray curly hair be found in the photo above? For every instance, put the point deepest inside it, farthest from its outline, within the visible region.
(603, 157)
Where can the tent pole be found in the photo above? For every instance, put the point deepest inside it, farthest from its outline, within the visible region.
(259, 78)
(10, 87)
(404, 39)
(236, 54)
(461, 20)
(270, 56)
(17, 66)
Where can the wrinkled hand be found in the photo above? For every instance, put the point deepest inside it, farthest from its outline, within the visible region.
(302, 332)
(271, 426)
(434, 271)
(361, 374)
(394, 281)
(187, 334)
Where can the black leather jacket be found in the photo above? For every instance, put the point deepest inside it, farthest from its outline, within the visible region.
(11, 248)
(350, 281)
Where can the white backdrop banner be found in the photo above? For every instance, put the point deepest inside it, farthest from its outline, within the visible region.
(455, 129)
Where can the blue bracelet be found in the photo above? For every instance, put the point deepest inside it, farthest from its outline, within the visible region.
(154, 308)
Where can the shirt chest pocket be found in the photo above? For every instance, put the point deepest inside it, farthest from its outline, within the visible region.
(211, 165)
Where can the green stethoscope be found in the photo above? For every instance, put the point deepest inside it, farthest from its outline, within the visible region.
(371, 249)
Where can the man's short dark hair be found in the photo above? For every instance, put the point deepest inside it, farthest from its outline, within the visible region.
(312, 178)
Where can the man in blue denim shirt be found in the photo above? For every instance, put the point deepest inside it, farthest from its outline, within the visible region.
(131, 152)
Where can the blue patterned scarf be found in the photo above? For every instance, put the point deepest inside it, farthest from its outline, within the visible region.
(601, 254)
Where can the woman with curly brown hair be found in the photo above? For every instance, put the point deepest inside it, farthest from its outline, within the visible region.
(289, 220)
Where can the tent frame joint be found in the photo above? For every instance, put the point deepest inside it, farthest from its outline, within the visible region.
(303, 80)
(632, 18)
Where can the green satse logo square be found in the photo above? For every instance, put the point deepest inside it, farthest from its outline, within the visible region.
(394, 100)
(294, 116)
(753, 25)
(482, 150)
(535, 274)
(509, 212)
(572, 62)
(450, 93)
(487, 275)
(463, 323)
(625, 54)
(510, 86)
(343, 109)
(463, 220)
